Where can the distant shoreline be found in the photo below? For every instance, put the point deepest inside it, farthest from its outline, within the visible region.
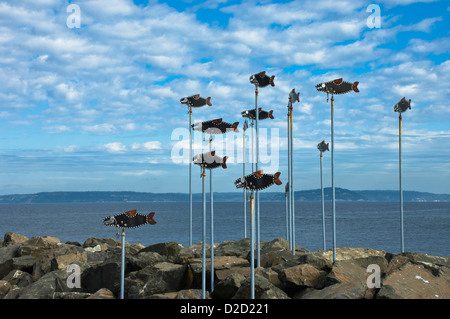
(301, 196)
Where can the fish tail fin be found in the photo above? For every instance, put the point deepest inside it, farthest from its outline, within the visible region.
(328, 147)
(271, 114)
(271, 80)
(409, 104)
(150, 219)
(276, 178)
(224, 162)
(208, 101)
(234, 126)
(355, 87)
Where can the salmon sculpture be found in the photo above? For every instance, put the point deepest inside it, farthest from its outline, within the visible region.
(129, 219)
(337, 86)
(262, 114)
(262, 80)
(209, 160)
(196, 101)
(322, 146)
(402, 105)
(216, 126)
(258, 181)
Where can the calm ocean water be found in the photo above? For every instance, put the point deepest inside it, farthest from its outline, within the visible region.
(358, 224)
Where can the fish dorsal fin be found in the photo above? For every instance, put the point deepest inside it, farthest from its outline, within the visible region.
(259, 173)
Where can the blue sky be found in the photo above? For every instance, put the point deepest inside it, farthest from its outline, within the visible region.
(97, 107)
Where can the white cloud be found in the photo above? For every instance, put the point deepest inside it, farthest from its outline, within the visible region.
(115, 147)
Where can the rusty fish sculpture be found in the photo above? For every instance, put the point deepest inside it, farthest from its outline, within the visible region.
(216, 126)
(210, 160)
(402, 105)
(337, 86)
(196, 101)
(129, 219)
(262, 114)
(262, 80)
(322, 146)
(258, 181)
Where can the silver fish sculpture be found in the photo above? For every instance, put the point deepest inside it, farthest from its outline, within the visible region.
(216, 126)
(209, 160)
(262, 114)
(196, 101)
(337, 86)
(322, 146)
(262, 80)
(294, 97)
(258, 181)
(402, 105)
(129, 219)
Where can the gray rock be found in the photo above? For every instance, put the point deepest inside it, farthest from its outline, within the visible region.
(263, 290)
(13, 239)
(228, 287)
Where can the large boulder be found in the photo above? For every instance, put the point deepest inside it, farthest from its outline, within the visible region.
(13, 239)
(414, 282)
(263, 290)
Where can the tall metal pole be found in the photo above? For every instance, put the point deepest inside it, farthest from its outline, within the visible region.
(286, 211)
(333, 198)
(289, 179)
(400, 182)
(323, 202)
(204, 238)
(252, 246)
(244, 200)
(291, 184)
(212, 219)
(190, 176)
(257, 192)
(122, 266)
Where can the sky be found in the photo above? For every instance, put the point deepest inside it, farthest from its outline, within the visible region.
(90, 92)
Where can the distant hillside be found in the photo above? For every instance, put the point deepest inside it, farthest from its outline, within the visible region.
(305, 195)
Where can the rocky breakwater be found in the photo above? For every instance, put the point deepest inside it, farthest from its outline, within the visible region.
(42, 267)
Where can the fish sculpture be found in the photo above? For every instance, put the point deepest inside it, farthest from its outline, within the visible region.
(402, 105)
(216, 127)
(262, 114)
(258, 181)
(337, 86)
(209, 160)
(129, 219)
(322, 146)
(196, 101)
(262, 80)
(294, 97)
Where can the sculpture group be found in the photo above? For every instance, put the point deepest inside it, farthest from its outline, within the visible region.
(257, 180)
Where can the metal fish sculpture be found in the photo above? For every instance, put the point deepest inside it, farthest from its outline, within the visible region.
(216, 127)
(129, 219)
(402, 105)
(258, 181)
(262, 114)
(294, 97)
(322, 146)
(209, 160)
(196, 101)
(337, 86)
(262, 80)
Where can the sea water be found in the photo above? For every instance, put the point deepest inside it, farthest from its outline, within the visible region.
(358, 224)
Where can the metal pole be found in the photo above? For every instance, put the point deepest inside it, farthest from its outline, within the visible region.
(257, 192)
(333, 199)
(252, 247)
(244, 190)
(204, 238)
(122, 266)
(190, 176)
(286, 211)
(289, 179)
(291, 185)
(400, 182)
(323, 202)
(212, 219)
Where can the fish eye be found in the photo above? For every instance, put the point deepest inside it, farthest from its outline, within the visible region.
(323, 85)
